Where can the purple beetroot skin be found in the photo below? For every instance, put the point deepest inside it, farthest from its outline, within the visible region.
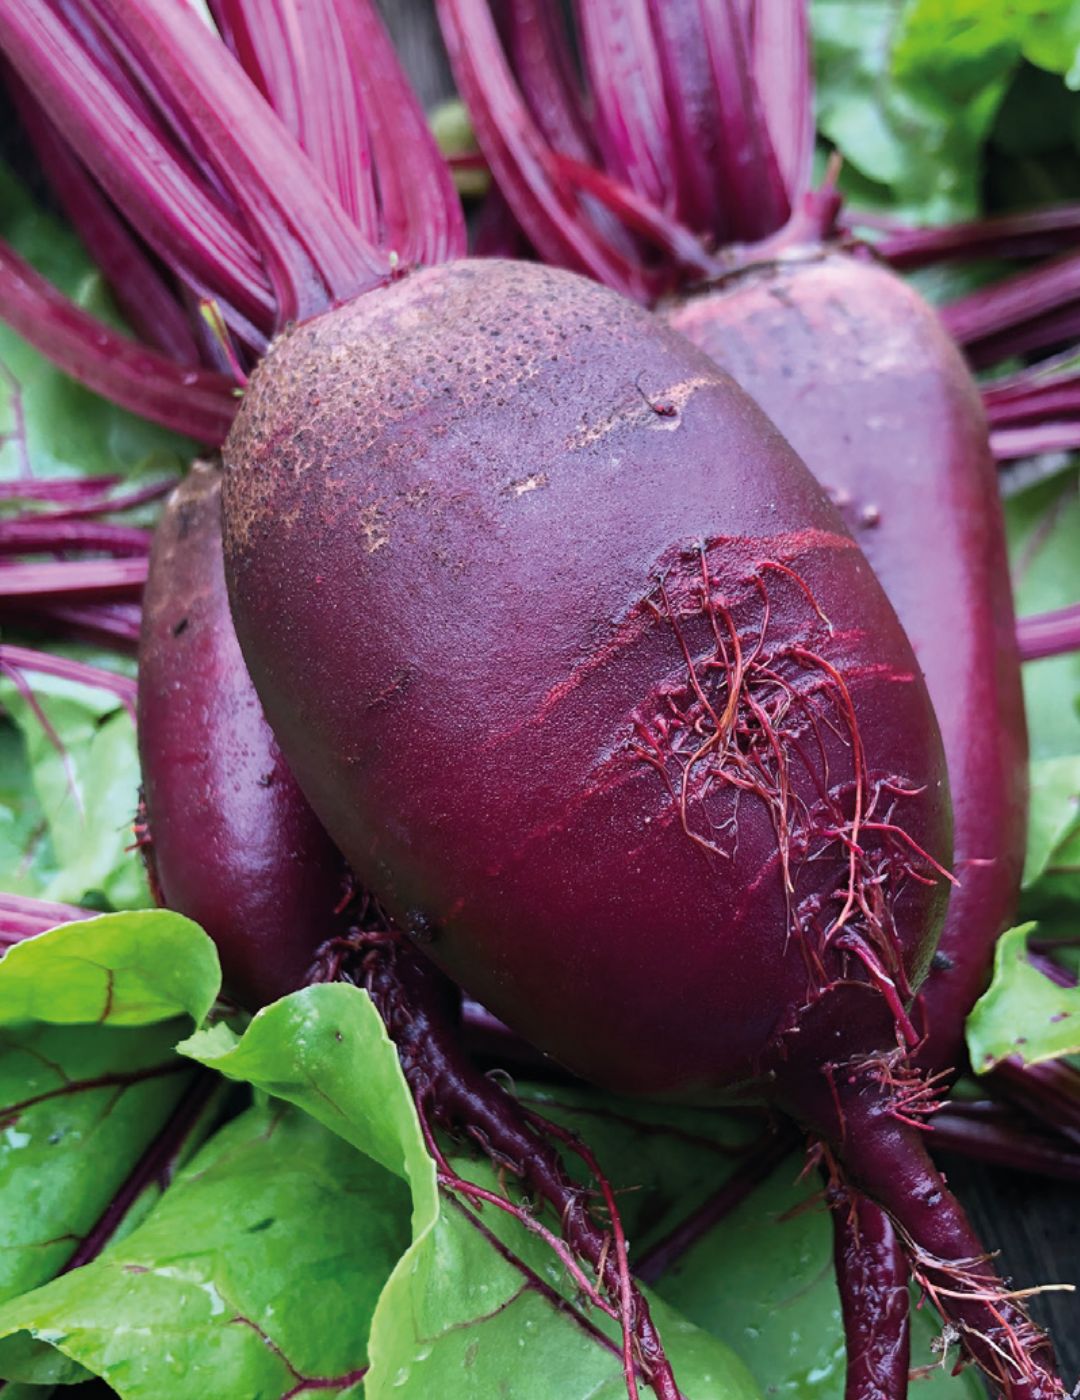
(233, 845)
(859, 374)
(466, 554)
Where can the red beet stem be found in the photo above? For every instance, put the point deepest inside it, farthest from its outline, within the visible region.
(14, 658)
(681, 246)
(780, 42)
(47, 535)
(73, 72)
(692, 112)
(146, 299)
(56, 489)
(986, 1132)
(421, 215)
(1010, 444)
(872, 1277)
(311, 251)
(1058, 327)
(1043, 400)
(113, 625)
(1030, 383)
(1050, 1091)
(80, 498)
(74, 579)
(519, 154)
(1038, 233)
(632, 127)
(196, 402)
(350, 106)
(1049, 633)
(22, 916)
(1011, 303)
(317, 100)
(543, 62)
(747, 169)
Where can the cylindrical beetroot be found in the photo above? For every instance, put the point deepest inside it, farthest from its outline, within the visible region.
(232, 842)
(578, 665)
(857, 371)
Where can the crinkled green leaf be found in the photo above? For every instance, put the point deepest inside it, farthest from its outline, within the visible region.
(457, 1318)
(1022, 1013)
(1051, 35)
(1055, 811)
(763, 1281)
(928, 100)
(909, 115)
(48, 423)
(326, 1049)
(89, 1015)
(257, 1272)
(84, 779)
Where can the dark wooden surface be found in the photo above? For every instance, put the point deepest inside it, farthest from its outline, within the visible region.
(1035, 1224)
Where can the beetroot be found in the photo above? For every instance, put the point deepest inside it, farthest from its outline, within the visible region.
(233, 845)
(858, 373)
(860, 376)
(854, 368)
(507, 747)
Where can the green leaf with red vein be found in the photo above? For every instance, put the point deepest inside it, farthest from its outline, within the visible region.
(256, 1275)
(477, 1304)
(89, 1015)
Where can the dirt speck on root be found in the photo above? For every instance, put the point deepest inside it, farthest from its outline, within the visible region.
(372, 526)
(536, 481)
(642, 408)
